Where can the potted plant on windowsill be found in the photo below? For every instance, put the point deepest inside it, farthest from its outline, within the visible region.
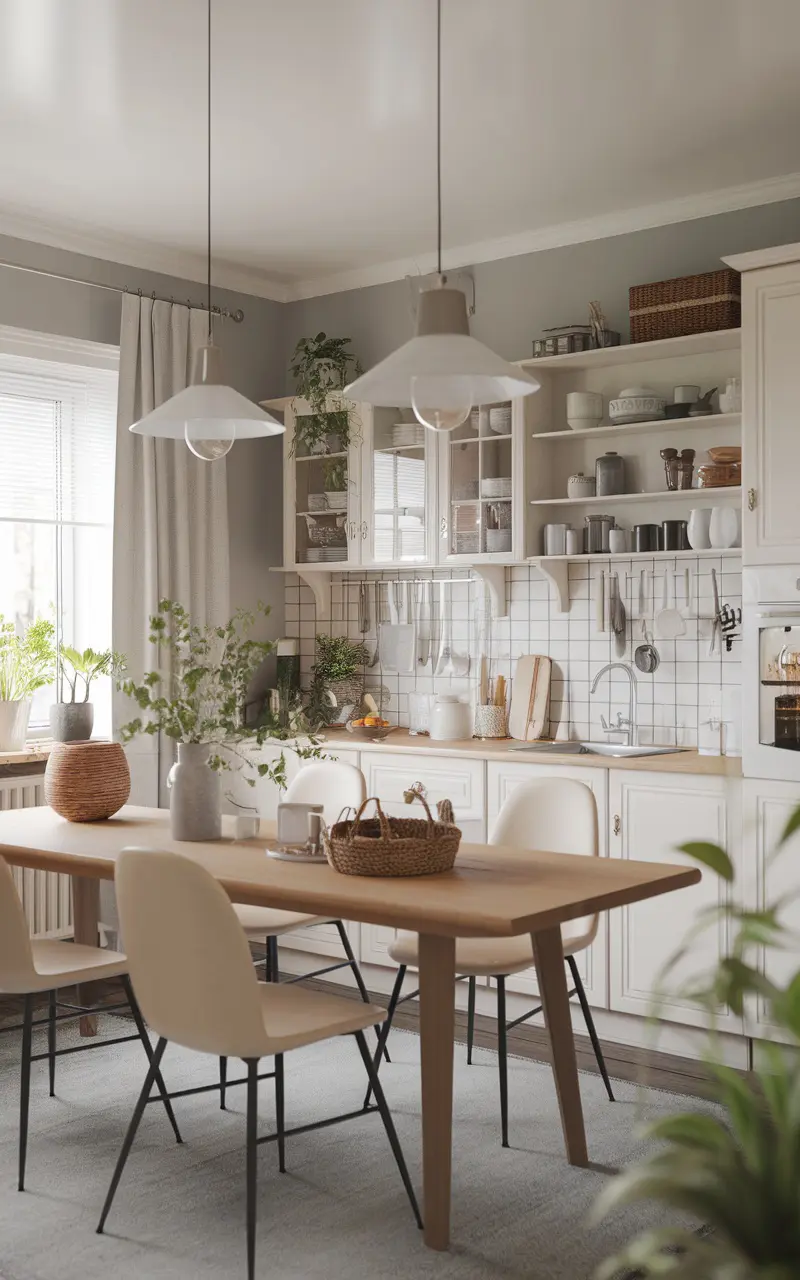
(26, 664)
(198, 699)
(72, 718)
(321, 367)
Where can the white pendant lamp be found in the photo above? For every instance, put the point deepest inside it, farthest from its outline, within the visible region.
(441, 372)
(208, 415)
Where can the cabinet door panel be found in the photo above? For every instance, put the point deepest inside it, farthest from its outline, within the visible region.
(771, 390)
(501, 781)
(767, 805)
(389, 774)
(650, 816)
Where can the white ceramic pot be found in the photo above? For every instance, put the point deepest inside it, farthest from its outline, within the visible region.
(195, 804)
(14, 717)
(581, 486)
(723, 528)
(698, 528)
(451, 720)
(584, 409)
(617, 541)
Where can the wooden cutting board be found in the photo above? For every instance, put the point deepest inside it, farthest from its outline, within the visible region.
(530, 698)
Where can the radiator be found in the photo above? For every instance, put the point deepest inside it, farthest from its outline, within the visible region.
(46, 897)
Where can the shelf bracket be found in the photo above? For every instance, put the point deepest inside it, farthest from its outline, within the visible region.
(494, 577)
(319, 582)
(557, 574)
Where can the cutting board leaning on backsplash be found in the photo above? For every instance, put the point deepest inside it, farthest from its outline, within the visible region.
(530, 698)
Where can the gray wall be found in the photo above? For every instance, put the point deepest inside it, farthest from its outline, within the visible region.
(519, 297)
(254, 362)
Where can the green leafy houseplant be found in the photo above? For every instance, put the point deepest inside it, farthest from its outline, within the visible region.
(334, 671)
(334, 471)
(321, 367)
(739, 1174)
(78, 670)
(27, 662)
(199, 694)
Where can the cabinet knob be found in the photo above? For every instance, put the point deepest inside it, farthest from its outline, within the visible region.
(364, 530)
(443, 526)
(617, 824)
(751, 499)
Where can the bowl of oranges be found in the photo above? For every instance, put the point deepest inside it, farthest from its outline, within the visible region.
(372, 728)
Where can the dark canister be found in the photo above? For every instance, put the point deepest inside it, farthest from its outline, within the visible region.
(645, 537)
(675, 535)
(787, 722)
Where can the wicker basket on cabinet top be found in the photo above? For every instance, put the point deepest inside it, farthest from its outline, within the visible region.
(688, 304)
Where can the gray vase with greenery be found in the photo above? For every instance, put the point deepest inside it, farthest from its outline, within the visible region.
(195, 801)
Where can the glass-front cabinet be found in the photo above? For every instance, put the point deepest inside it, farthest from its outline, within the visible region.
(398, 463)
(322, 512)
(480, 498)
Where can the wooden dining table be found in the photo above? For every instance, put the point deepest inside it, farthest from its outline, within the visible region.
(493, 891)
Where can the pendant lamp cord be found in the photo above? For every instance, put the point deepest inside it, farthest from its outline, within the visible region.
(439, 132)
(208, 243)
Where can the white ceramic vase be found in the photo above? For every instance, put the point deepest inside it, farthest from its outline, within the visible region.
(724, 527)
(14, 717)
(698, 529)
(195, 805)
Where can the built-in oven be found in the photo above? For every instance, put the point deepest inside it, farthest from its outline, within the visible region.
(771, 673)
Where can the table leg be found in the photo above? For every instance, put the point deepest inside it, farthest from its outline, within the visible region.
(437, 982)
(554, 993)
(85, 917)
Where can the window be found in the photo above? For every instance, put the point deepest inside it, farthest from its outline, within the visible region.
(58, 408)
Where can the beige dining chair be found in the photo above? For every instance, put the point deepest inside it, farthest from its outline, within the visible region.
(335, 785)
(192, 973)
(42, 967)
(556, 814)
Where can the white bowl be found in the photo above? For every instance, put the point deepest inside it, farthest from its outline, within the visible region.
(582, 424)
(641, 408)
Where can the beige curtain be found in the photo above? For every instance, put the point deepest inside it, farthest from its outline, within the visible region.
(170, 514)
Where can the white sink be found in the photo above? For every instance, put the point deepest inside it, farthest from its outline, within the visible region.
(617, 749)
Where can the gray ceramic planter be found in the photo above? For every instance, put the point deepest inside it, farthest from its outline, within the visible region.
(71, 721)
(195, 803)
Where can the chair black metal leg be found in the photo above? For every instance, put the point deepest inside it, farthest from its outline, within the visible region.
(138, 1112)
(274, 967)
(51, 1040)
(387, 1026)
(502, 1056)
(25, 1088)
(148, 1048)
(267, 960)
(377, 1088)
(279, 1121)
(590, 1027)
(351, 960)
(470, 1019)
(252, 1151)
(223, 1081)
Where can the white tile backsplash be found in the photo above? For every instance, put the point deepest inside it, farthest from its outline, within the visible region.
(672, 702)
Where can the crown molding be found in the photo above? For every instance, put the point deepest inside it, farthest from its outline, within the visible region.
(775, 256)
(146, 257)
(603, 226)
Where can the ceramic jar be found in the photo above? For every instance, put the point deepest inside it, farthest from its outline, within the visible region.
(451, 720)
(195, 804)
(584, 409)
(698, 528)
(723, 527)
(617, 541)
(581, 486)
(87, 781)
(14, 717)
(730, 400)
(610, 474)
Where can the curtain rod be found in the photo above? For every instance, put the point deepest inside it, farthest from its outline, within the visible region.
(223, 312)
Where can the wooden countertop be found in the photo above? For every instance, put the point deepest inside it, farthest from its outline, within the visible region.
(474, 748)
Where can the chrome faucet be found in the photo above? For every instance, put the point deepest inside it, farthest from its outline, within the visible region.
(628, 727)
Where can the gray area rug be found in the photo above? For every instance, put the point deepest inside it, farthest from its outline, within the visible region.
(340, 1210)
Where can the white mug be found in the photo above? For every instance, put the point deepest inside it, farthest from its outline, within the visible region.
(617, 541)
(685, 394)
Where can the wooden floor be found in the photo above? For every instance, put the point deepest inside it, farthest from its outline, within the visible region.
(655, 1069)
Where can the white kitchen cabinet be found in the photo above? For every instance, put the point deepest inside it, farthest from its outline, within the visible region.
(482, 487)
(650, 815)
(398, 488)
(321, 491)
(766, 807)
(771, 393)
(501, 779)
(462, 781)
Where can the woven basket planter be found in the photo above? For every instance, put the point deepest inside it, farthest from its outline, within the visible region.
(687, 304)
(384, 846)
(87, 781)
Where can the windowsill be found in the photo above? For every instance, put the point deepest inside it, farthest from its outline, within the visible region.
(33, 753)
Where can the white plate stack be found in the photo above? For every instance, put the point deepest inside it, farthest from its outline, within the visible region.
(408, 435)
(496, 487)
(323, 555)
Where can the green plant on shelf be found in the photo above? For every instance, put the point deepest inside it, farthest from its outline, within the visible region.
(334, 472)
(321, 367)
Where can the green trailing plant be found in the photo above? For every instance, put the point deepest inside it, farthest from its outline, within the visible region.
(738, 1172)
(200, 690)
(321, 367)
(337, 659)
(334, 472)
(77, 670)
(27, 661)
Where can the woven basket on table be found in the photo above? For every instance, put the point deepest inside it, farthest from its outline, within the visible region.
(382, 846)
(87, 781)
(688, 304)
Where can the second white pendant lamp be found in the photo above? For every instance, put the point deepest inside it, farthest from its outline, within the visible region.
(441, 372)
(208, 415)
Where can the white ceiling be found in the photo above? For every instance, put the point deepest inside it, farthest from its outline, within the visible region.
(562, 120)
